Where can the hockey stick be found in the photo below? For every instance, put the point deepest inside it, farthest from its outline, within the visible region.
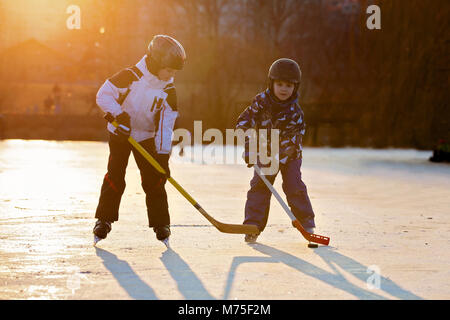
(308, 236)
(222, 227)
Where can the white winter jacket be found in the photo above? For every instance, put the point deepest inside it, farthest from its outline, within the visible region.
(144, 97)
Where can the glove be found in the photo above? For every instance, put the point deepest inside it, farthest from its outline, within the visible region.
(124, 128)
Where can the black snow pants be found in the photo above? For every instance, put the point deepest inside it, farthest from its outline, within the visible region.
(153, 182)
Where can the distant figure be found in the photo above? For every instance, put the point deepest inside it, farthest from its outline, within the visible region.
(48, 104)
(441, 153)
(57, 94)
(57, 109)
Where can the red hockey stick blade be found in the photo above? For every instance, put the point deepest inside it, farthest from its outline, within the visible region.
(311, 236)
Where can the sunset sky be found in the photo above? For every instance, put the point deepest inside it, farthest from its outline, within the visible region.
(43, 20)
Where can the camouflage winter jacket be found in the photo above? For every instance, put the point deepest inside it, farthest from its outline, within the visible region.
(266, 113)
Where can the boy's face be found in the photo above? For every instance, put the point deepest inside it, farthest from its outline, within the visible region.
(282, 89)
(166, 73)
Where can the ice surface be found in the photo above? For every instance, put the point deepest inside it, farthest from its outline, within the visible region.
(387, 213)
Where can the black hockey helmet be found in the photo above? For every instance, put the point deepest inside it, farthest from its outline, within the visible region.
(166, 52)
(286, 70)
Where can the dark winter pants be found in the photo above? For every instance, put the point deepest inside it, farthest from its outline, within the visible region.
(152, 182)
(258, 197)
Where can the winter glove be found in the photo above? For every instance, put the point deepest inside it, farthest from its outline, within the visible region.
(249, 156)
(124, 128)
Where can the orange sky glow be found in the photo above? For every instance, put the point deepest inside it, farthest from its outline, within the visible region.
(44, 20)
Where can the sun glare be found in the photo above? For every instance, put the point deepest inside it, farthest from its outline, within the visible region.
(43, 20)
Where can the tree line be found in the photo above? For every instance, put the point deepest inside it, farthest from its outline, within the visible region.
(361, 87)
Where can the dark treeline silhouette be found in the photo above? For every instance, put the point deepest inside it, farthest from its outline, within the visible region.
(360, 87)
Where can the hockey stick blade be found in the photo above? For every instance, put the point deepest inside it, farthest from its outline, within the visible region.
(228, 228)
(308, 236)
(311, 237)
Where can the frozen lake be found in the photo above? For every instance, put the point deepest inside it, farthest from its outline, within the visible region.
(387, 213)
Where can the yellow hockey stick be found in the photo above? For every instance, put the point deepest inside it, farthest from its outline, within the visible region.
(222, 227)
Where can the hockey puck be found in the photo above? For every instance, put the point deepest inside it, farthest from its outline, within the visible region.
(313, 245)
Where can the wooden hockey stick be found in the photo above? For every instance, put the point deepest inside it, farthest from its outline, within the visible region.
(222, 227)
(308, 236)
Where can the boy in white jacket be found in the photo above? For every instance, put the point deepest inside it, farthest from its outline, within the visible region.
(143, 100)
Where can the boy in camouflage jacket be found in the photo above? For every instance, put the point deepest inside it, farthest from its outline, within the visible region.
(277, 108)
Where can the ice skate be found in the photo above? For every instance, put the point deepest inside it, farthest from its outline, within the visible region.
(251, 238)
(309, 230)
(101, 230)
(163, 234)
(166, 242)
(311, 244)
(96, 240)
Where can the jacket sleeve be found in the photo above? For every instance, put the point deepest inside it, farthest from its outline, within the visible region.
(165, 121)
(291, 137)
(112, 93)
(247, 119)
